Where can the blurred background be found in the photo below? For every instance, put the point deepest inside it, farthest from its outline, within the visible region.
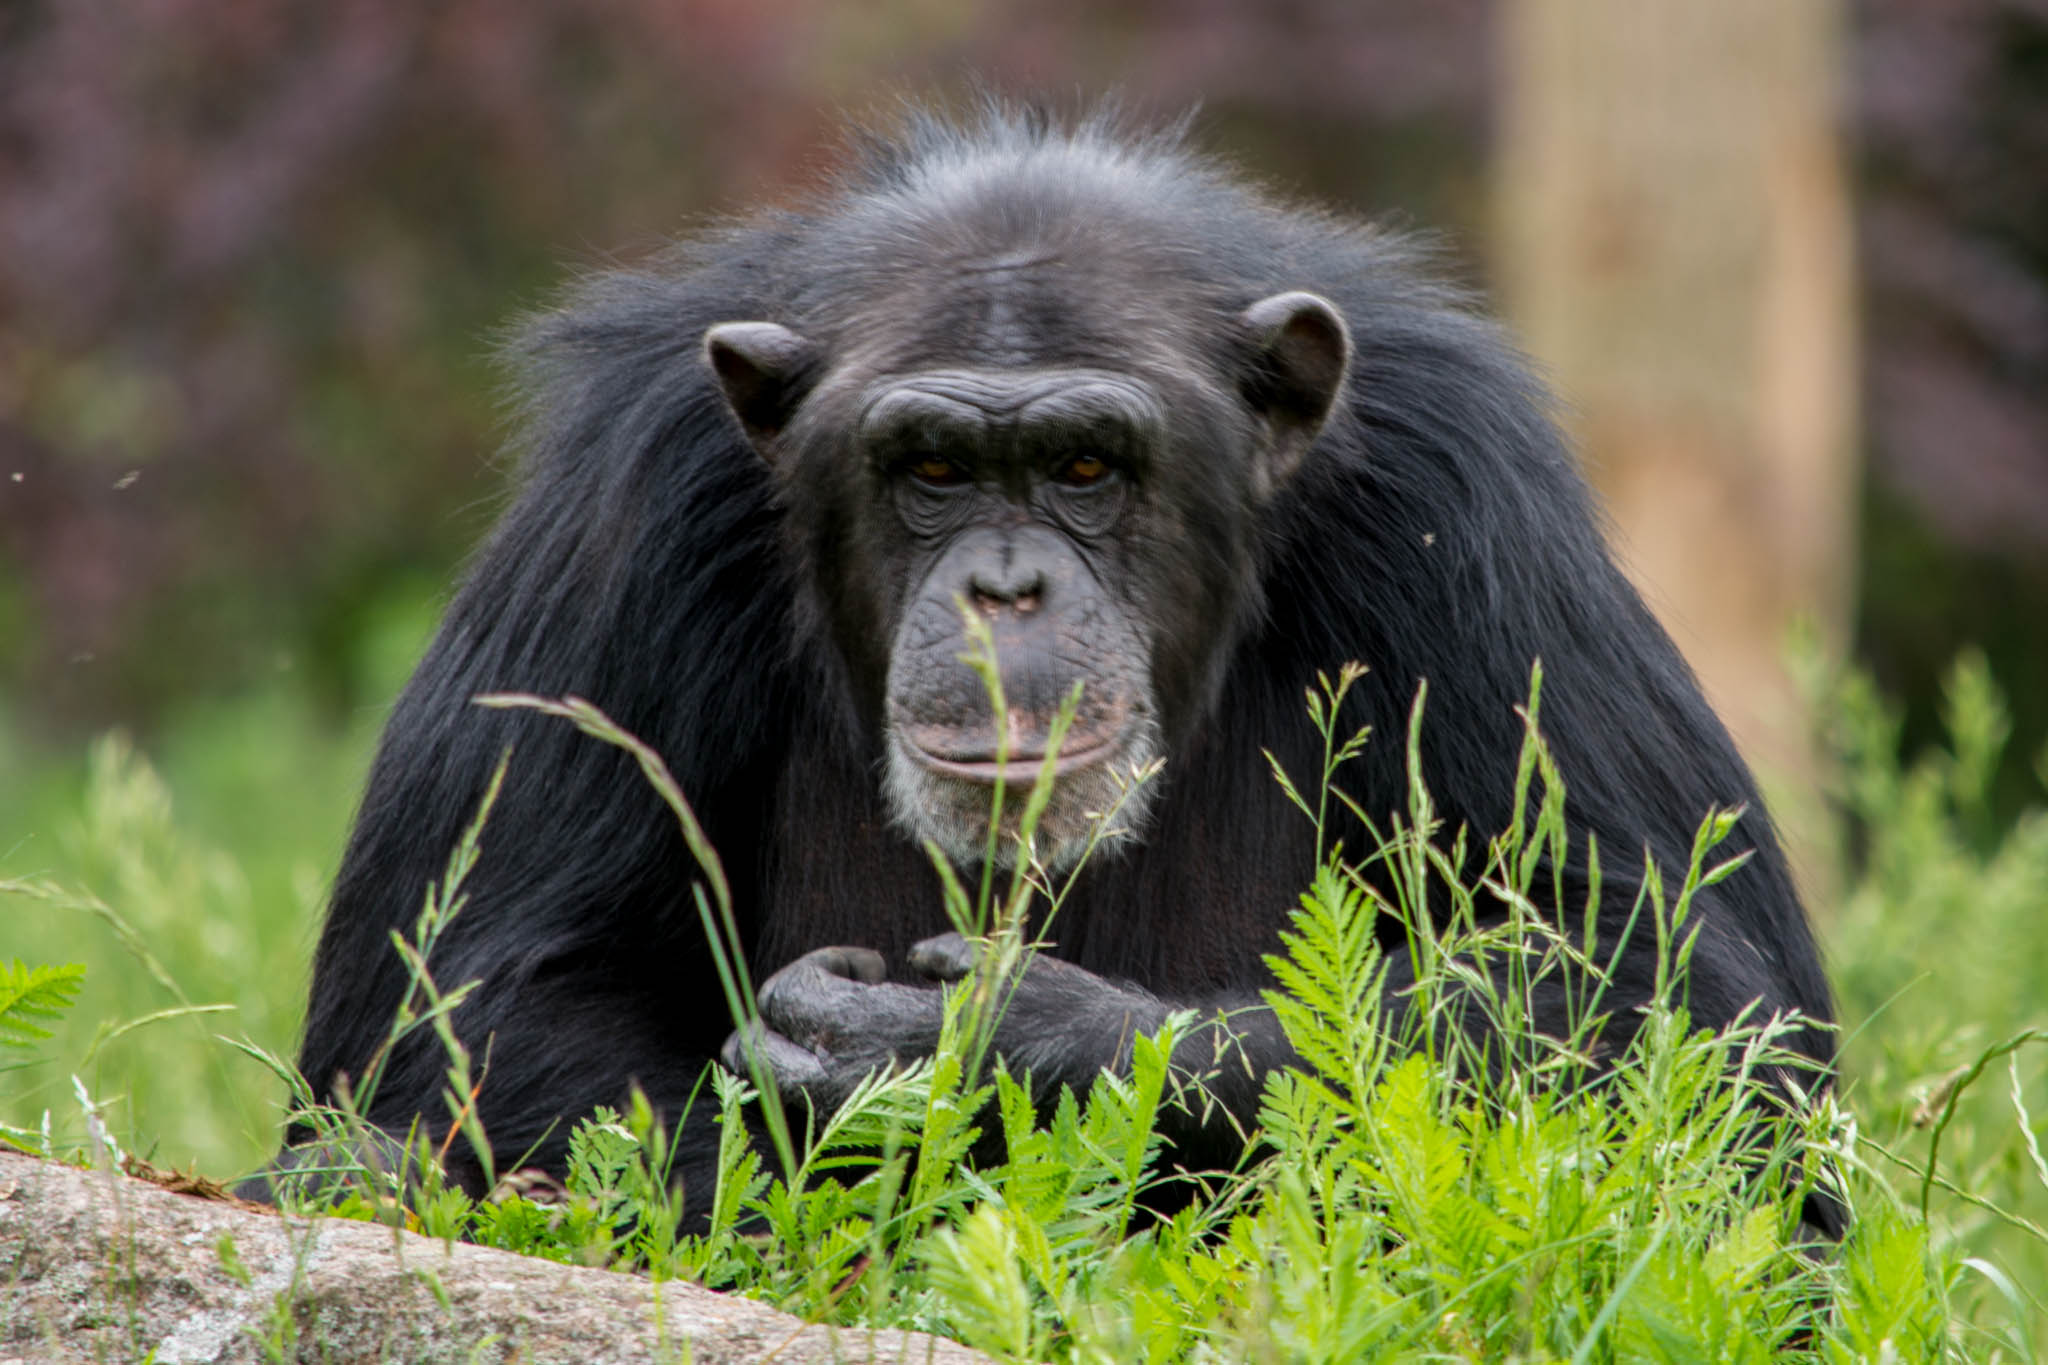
(1786, 260)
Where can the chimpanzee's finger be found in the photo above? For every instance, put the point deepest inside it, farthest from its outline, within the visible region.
(947, 957)
(789, 1066)
(855, 964)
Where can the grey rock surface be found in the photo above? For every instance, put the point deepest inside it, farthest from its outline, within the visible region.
(95, 1266)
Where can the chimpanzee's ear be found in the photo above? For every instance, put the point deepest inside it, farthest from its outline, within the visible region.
(1300, 352)
(765, 370)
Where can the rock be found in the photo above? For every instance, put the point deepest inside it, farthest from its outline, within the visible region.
(96, 1266)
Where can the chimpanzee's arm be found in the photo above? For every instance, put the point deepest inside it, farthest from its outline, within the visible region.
(831, 1017)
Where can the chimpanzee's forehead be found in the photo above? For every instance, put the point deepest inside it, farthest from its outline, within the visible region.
(1046, 261)
(1030, 305)
(1026, 307)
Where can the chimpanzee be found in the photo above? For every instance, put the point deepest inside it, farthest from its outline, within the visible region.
(1173, 441)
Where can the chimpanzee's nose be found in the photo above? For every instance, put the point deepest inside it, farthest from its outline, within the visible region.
(1020, 587)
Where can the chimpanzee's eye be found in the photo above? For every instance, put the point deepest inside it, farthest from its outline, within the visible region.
(1081, 471)
(936, 471)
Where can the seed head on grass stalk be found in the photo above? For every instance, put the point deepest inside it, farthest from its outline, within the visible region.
(345, 1142)
(1001, 926)
(721, 930)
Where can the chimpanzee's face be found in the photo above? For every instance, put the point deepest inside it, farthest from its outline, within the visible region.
(1020, 496)
(1099, 518)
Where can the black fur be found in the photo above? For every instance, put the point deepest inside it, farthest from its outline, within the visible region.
(1436, 530)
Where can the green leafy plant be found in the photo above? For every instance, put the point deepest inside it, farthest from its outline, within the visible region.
(32, 997)
(1405, 1195)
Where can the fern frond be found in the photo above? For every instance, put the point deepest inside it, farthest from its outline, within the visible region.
(30, 995)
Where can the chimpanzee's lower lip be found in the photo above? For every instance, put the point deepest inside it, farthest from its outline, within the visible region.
(1022, 770)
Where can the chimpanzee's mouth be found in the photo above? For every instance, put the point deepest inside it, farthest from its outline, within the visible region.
(978, 762)
(939, 779)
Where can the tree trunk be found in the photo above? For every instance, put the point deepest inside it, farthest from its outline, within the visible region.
(1675, 246)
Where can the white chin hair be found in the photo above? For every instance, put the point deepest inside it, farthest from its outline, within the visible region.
(953, 813)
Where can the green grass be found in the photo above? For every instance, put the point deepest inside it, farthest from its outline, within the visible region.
(1418, 1208)
(191, 876)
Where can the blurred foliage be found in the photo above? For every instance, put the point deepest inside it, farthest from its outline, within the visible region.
(252, 258)
(195, 913)
(1927, 599)
(1938, 951)
(1952, 112)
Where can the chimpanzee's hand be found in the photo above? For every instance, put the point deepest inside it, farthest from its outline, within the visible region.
(831, 1017)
